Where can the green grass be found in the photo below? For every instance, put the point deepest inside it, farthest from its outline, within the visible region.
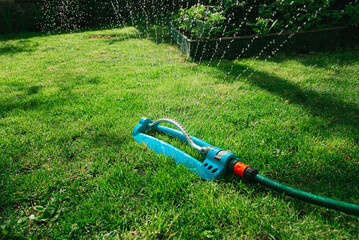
(71, 169)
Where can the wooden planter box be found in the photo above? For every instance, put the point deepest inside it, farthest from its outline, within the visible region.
(265, 45)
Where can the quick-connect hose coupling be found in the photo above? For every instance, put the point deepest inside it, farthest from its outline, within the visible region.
(246, 172)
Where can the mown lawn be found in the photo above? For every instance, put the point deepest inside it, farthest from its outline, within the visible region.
(69, 167)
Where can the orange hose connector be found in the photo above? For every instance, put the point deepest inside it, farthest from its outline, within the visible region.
(239, 168)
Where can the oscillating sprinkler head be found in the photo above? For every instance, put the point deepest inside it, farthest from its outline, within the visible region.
(215, 161)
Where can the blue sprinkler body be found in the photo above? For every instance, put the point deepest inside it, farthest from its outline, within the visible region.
(215, 161)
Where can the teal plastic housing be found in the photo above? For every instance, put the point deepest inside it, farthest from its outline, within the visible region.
(213, 166)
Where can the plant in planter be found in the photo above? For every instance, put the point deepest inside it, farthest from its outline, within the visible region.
(200, 21)
(227, 30)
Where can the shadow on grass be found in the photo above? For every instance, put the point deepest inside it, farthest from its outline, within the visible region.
(343, 57)
(21, 36)
(9, 48)
(31, 101)
(155, 33)
(29, 35)
(34, 89)
(30, 97)
(324, 105)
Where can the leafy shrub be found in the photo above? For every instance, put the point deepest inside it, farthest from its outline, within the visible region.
(352, 12)
(266, 16)
(200, 21)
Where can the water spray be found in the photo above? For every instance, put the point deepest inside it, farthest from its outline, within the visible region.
(218, 162)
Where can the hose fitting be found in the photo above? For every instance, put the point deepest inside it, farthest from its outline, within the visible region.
(246, 172)
(249, 174)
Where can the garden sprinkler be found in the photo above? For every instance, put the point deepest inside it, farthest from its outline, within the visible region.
(218, 162)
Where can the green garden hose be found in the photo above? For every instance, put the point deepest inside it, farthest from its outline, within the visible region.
(250, 174)
(308, 197)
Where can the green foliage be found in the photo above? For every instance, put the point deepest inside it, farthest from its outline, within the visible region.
(352, 12)
(200, 21)
(272, 16)
(264, 26)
